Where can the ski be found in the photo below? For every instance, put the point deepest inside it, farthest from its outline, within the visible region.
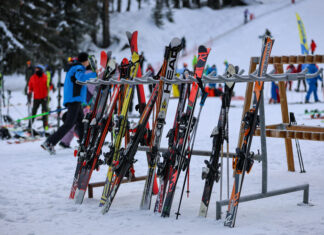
(186, 126)
(243, 161)
(211, 172)
(121, 124)
(86, 135)
(164, 165)
(167, 72)
(132, 39)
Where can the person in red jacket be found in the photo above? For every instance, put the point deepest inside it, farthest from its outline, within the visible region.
(313, 46)
(290, 69)
(38, 86)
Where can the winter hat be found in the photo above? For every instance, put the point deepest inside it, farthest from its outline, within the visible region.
(40, 67)
(82, 57)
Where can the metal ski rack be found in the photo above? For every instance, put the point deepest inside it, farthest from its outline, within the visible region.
(278, 63)
(146, 79)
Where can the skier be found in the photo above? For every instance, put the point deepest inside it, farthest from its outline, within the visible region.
(312, 82)
(211, 87)
(194, 62)
(246, 14)
(29, 71)
(183, 42)
(142, 59)
(266, 33)
(313, 46)
(38, 85)
(226, 65)
(290, 69)
(74, 95)
(274, 94)
(66, 140)
(299, 69)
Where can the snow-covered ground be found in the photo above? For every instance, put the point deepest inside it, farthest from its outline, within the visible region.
(34, 186)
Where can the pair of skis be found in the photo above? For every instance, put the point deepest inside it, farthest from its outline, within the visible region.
(178, 158)
(211, 172)
(126, 159)
(167, 72)
(244, 159)
(112, 157)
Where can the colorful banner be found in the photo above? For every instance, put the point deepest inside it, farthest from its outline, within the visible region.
(302, 36)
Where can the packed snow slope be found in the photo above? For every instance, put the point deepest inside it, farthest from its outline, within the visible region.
(34, 186)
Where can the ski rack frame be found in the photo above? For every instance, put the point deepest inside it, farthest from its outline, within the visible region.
(146, 79)
(278, 62)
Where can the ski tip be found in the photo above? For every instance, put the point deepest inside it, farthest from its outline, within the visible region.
(129, 35)
(175, 42)
(109, 53)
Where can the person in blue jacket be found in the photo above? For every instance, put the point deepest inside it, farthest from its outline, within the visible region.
(312, 82)
(74, 96)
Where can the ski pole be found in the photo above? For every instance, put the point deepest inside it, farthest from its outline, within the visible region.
(41, 114)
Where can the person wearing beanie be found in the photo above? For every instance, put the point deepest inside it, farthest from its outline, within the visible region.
(37, 85)
(74, 96)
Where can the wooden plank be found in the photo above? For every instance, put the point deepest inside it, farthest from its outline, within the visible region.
(300, 59)
(101, 184)
(285, 118)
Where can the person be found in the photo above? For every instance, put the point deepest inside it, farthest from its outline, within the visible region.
(66, 140)
(275, 98)
(29, 71)
(194, 62)
(37, 86)
(142, 59)
(312, 82)
(251, 16)
(211, 87)
(150, 68)
(299, 69)
(74, 96)
(246, 14)
(183, 42)
(313, 46)
(266, 33)
(226, 65)
(290, 69)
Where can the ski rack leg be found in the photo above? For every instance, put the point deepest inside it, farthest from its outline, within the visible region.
(304, 187)
(264, 155)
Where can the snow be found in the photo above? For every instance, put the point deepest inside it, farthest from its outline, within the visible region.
(35, 186)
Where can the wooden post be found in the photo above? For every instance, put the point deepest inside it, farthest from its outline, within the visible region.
(248, 98)
(285, 117)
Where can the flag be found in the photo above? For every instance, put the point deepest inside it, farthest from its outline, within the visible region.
(302, 36)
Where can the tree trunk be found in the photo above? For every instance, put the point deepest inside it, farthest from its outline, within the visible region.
(139, 4)
(176, 4)
(186, 3)
(105, 24)
(214, 4)
(119, 5)
(128, 5)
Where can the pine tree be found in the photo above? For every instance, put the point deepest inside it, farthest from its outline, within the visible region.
(157, 13)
